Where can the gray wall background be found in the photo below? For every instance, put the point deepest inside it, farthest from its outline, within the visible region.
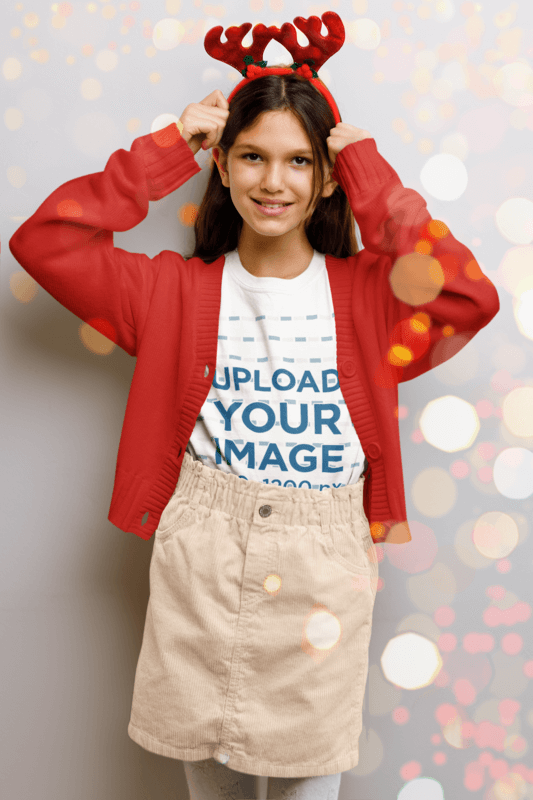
(74, 588)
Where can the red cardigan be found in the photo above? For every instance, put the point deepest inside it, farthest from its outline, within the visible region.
(164, 310)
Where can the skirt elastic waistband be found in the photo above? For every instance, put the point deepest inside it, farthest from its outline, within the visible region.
(228, 493)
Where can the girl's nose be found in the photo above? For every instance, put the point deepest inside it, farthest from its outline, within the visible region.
(273, 177)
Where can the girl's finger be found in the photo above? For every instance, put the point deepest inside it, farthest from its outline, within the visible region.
(215, 98)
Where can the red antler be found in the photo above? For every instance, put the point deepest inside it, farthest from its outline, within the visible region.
(232, 52)
(320, 48)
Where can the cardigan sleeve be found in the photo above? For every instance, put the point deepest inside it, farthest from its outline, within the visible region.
(67, 244)
(433, 294)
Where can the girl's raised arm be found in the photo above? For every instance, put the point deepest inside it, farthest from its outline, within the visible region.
(67, 244)
(432, 293)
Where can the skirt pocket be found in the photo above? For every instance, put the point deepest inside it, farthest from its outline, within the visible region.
(179, 512)
(348, 546)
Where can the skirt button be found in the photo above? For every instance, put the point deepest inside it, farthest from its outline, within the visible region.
(265, 511)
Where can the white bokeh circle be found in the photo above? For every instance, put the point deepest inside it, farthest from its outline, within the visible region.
(91, 89)
(162, 121)
(11, 69)
(523, 313)
(422, 789)
(364, 33)
(444, 177)
(513, 473)
(514, 84)
(167, 33)
(517, 411)
(444, 11)
(514, 220)
(106, 60)
(449, 423)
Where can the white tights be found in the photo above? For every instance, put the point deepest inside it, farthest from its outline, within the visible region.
(210, 780)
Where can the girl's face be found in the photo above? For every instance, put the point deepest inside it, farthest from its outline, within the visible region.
(272, 161)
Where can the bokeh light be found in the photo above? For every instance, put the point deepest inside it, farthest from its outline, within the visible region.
(322, 630)
(517, 410)
(421, 789)
(410, 661)
(11, 69)
(162, 121)
(171, 6)
(444, 12)
(363, 33)
(514, 84)
(449, 423)
(187, 214)
(495, 534)
(456, 73)
(444, 177)
(416, 278)
(513, 473)
(106, 60)
(16, 176)
(514, 270)
(95, 341)
(13, 118)
(523, 313)
(167, 33)
(514, 220)
(23, 287)
(434, 492)
(360, 6)
(91, 89)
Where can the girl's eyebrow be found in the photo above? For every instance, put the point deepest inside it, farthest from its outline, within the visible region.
(260, 150)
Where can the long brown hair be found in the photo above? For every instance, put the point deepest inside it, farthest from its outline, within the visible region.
(331, 227)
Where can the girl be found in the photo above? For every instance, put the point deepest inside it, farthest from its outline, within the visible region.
(274, 350)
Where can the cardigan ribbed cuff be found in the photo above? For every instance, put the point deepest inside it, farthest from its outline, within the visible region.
(365, 167)
(168, 159)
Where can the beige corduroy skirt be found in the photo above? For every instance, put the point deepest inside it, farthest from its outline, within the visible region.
(255, 645)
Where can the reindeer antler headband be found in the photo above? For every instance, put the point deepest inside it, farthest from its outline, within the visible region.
(315, 54)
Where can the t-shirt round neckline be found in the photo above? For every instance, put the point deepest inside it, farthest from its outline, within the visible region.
(272, 284)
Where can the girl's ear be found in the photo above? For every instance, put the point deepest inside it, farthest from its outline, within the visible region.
(220, 160)
(329, 187)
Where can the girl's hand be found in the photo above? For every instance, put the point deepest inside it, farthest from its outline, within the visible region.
(205, 120)
(341, 135)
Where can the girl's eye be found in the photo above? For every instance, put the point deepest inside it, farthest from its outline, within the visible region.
(295, 157)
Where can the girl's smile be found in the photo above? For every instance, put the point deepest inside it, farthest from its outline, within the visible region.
(271, 212)
(272, 161)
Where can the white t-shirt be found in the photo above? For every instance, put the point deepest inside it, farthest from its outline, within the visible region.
(275, 411)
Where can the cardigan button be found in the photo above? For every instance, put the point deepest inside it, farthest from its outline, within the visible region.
(373, 450)
(206, 371)
(348, 367)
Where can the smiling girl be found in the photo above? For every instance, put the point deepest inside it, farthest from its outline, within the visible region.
(260, 445)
